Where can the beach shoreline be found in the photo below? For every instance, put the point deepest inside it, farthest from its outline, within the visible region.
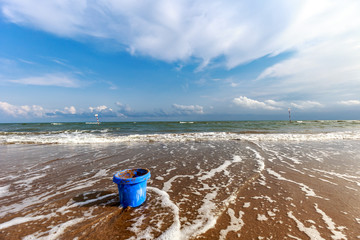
(233, 189)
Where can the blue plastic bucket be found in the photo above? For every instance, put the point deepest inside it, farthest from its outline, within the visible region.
(132, 186)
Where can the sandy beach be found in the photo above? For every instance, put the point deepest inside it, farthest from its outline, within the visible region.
(234, 189)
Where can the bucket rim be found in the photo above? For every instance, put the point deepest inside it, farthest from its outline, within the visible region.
(125, 176)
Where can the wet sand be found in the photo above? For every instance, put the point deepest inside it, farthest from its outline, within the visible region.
(231, 189)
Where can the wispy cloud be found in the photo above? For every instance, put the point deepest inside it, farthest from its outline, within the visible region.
(188, 109)
(350, 102)
(240, 31)
(326, 59)
(123, 107)
(306, 105)
(26, 61)
(58, 79)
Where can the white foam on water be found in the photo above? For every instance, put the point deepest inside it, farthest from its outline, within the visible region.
(296, 170)
(235, 224)
(222, 167)
(206, 218)
(140, 234)
(168, 184)
(29, 181)
(9, 177)
(261, 217)
(246, 205)
(37, 199)
(102, 173)
(29, 201)
(236, 159)
(79, 204)
(173, 232)
(337, 235)
(271, 214)
(145, 234)
(346, 177)
(308, 191)
(212, 172)
(312, 232)
(259, 159)
(316, 158)
(20, 220)
(55, 231)
(4, 191)
(264, 197)
(84, 137)
(209, 211)
(277, 175)
(293, 159)
(62, 210)
(262, 180)
(324, 180)
(294, 237)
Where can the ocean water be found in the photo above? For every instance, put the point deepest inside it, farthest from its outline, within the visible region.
(209, 180)
(110, 132)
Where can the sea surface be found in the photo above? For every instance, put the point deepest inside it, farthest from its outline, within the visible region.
(209, 180)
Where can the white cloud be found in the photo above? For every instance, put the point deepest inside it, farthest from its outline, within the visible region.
(70, 110)
(326, 61)
(240, 31)
(254, 104)
(323, 35)
(22, 111)
(123, 107)
(306, 105)
(350, 102)
(188, 109)
(59, 80)
(101, 108)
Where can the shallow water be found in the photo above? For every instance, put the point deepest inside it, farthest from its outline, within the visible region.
(252, 188)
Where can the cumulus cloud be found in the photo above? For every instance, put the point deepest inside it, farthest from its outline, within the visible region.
(350, 102)
(254, 104)
(248, 103)
(188, 109)
(70, 110)
(101, 108)
(33, 111)
(22, 111)
(59, 80)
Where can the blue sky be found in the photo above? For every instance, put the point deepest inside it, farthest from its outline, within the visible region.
(179, 60)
